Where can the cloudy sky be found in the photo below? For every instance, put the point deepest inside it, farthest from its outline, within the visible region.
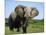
(11, 4)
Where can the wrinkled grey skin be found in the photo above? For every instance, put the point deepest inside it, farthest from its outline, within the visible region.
(25, 13)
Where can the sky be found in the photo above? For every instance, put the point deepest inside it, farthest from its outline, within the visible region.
(11, 4)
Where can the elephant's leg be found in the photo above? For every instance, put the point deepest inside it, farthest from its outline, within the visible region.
(24, 27)
(10, 23)
(11, 28)
(18, 29)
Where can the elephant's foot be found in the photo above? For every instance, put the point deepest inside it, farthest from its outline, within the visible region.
(11, 29)
(24, 30)
(18, 30)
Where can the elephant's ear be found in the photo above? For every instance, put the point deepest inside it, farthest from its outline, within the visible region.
(34, 12)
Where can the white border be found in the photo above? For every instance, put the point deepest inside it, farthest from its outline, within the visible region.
(31, 0)
(45, 16)
(2, 20)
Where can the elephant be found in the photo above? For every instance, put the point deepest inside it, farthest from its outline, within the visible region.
(20, 16)
(30, 12)
(15, 18)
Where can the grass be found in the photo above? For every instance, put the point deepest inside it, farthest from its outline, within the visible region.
(34, 26)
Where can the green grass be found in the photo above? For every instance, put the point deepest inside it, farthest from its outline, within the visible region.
(34, 26)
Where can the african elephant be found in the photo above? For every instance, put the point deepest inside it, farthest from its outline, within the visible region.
(30, 12)
(15, 18)
(21, 17)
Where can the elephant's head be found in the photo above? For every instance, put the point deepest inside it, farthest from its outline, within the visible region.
(30, 12)
(19, 10)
